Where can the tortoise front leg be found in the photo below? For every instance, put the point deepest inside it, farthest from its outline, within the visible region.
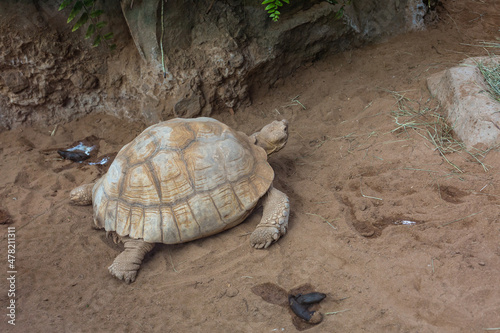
(274, 219)
(128, 262)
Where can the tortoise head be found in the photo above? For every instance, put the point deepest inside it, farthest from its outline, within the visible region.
(273, 136)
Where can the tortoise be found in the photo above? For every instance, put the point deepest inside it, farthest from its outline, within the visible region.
(184, 179)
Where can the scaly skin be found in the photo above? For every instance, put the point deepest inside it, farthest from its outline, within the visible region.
(271, 137)
(128, 262)
(274, 221)
(82, 195)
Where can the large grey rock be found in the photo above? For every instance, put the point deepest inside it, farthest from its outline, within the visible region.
(463, 93)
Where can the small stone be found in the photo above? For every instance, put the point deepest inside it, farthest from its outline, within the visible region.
(481, 263)
(368, 233)
(236, 60)
(189, 106)
(14, 80)
(232, 291)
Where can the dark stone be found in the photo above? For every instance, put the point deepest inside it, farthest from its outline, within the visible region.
(14, 80)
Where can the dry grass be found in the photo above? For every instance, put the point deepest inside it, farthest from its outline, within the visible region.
(424, 117)
(491, 73)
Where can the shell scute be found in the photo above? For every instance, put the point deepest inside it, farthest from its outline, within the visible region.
(111, 182)
(136, 222)
(177, 136)
(227, 203)
(203, 209)
(205, 164)
(172, 176)
(152, 225)
(239, 160)
(110, 215)
(207, 131)
(123, 215)
(139, 186)
(246, 192)
(143, 148)
(186, 223)
(171, 234)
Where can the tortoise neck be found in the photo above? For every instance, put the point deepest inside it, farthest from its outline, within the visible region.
(260, 140)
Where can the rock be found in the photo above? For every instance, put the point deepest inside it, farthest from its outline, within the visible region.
(189, 107)
(462, 92)
(232, 291)
(82, 80)
(14, 80)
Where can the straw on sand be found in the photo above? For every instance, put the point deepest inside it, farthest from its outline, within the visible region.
(425, 119)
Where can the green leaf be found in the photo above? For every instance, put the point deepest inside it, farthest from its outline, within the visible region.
(83, 19)
(270, 6)
(112, 47)
(279, 3)
(65, 4)
(108, 36)
(267, 1)
(76, 9)
(101, 24)
(97, 41)
(88, 3)
(271, 11)
(287, 1)
(96, 13)
(272, 15)
(277, 13)
(90, 31)
(340, 13)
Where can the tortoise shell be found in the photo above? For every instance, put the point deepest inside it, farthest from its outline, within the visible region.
(181, 180)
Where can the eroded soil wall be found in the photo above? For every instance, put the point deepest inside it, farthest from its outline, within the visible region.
(214, 54)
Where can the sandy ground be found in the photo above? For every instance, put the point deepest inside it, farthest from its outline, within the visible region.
(352, 182)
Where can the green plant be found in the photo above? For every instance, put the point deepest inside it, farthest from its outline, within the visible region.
(89, 13)
(272, 8)
(339, 12)
(274, 13)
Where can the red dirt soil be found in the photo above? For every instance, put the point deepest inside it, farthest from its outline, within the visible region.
(351, 179)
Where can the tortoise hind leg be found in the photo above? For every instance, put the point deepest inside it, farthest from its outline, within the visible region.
(274, 221)
(128, 262)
